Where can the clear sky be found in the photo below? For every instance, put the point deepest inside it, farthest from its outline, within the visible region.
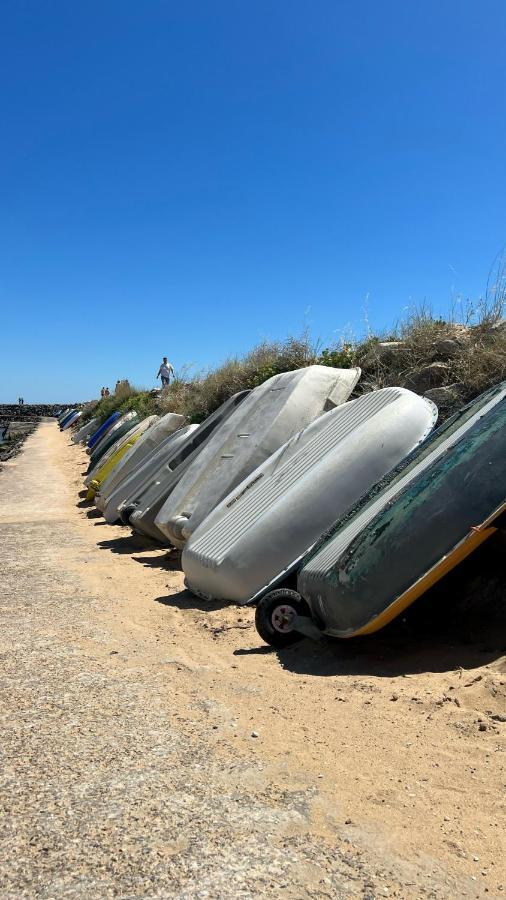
(189, 178)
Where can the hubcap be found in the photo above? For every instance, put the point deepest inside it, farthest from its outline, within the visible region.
(283, 618)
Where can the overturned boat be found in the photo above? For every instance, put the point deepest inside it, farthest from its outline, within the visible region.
(259, 533)
(71, 420)
(118, 430)
(122, 498)
(152, 437)
(67, 418)
(113, 456)
(141, 511)
(102, 429)
(83, 433)
(273, 413)
(428, 515)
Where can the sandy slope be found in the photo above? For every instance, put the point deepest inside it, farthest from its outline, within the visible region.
(128, 706)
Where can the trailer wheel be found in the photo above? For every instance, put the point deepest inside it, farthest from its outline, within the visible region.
(275, 616)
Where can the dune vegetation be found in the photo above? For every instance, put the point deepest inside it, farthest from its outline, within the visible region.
(451, 361)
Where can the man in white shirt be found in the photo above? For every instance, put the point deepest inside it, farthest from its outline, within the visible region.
(165, 371)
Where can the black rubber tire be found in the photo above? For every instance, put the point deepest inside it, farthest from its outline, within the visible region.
(267, 606)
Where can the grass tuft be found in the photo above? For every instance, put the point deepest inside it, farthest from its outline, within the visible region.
(450, 360)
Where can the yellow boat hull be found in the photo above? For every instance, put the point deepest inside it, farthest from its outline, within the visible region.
(105, 470)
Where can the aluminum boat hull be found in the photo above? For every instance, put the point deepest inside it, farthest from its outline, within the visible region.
(67, 418)
(145, 469)
(83, 433)
(155, 492)
(161, 429)
(118, 430)
(259, 533)
(114, 455)
(271, 415)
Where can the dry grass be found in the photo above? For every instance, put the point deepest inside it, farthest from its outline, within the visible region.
(200, 396)
(452, 361)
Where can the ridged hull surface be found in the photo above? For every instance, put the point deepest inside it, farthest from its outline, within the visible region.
(263, 528)
(271, 415)
(156, 493)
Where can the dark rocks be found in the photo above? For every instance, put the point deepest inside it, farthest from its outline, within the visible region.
(13, 412)
(431, 376)
(446, 398)
(446, 349)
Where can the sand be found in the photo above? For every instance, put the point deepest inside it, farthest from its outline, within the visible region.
(154, 747)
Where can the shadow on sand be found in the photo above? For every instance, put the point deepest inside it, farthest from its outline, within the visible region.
(381, 656)
(130, 544)
(94, 513)
(459, 623)
(171, 561)
(186, 600)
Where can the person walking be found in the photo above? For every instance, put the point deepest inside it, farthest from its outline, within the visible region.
(165, 371)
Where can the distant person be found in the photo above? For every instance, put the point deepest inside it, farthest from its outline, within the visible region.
(165, 371)
(102, 393)
(107, 392)
(21, 401)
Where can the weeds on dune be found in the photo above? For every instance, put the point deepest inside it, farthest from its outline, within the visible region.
(451, 360)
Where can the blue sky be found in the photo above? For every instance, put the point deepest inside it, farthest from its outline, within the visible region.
(187, 179)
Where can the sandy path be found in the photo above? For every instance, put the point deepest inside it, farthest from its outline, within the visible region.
(128, 762)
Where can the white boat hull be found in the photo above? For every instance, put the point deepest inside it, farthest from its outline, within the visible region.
(259, 533)
(273, 413)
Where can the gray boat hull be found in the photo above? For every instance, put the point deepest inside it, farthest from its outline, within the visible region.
(124, 494)
(261, 530)
(120, 428)
(157, 432)
(426, 518)
(271, 415)
(83, 433)
(154, 495)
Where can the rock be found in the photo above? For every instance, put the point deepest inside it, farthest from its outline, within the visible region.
(428, 377)
(446, 349)
(446, 394)
(254, 734)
